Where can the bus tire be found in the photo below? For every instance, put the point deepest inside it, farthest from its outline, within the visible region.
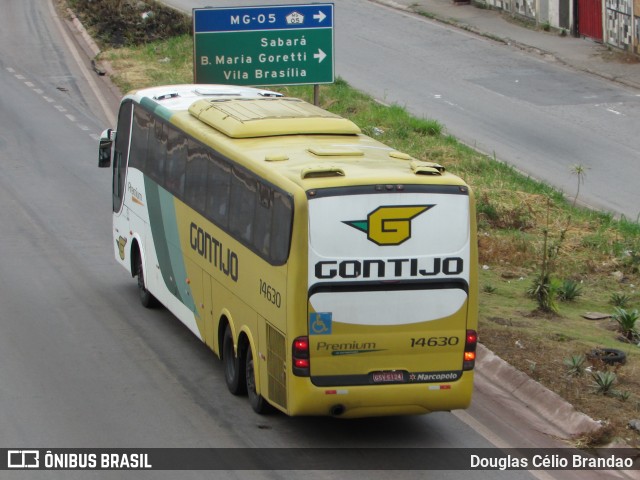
(233, 373)
(257, 401)
(146, 297)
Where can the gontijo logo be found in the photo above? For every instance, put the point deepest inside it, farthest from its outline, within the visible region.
(389, 225)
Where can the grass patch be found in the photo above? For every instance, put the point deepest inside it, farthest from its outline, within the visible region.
(155, 63)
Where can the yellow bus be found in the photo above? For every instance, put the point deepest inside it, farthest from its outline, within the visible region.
(332, 274)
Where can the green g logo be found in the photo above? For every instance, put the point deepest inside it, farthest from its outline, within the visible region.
(389, 225)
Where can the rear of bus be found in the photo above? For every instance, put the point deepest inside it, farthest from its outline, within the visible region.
(392, 301)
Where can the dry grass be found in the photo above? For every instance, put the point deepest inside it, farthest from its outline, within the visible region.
(586, 249)
(153, 64)
(542, 358)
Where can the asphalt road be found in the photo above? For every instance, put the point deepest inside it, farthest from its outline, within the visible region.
(82, 364)
(540, 117)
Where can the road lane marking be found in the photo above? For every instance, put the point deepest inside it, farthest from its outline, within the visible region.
(60, 108)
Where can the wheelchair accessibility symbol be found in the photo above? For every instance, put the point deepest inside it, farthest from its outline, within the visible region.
(320, 323)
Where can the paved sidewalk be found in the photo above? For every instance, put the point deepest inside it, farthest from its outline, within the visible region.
(580, 53)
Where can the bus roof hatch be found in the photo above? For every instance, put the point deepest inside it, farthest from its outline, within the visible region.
(266, 117)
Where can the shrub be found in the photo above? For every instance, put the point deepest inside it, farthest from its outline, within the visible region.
(603, 382)
(544, 291)
(489, 289)
(626, 321)
(619, 300)
(569, 290)
(575, 365)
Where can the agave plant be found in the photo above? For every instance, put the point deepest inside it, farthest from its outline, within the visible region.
(569, 290)
(575, 365)
(603, 382)
(619, 299)
(543, 290)
(626, 322)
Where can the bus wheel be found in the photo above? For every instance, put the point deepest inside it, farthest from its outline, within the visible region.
(233, 374)
(258, 403)
(146, 298)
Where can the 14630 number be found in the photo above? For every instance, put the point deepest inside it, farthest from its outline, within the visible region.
(270, 293)
(434, 342)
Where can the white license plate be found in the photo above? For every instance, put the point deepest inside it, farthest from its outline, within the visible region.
(387, 377)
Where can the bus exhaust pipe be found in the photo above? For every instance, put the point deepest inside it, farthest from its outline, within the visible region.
(337, 410)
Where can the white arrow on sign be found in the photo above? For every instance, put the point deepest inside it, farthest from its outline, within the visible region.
(320, 55)
(320, 16)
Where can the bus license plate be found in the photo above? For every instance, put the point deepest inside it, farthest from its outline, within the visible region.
(387, 377)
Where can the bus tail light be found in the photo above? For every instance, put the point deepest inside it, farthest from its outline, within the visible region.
(470, 344)
(300, 357)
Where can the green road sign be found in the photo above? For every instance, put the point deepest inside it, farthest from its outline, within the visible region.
(270, 45)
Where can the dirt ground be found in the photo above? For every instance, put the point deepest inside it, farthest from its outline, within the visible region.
(543, 360)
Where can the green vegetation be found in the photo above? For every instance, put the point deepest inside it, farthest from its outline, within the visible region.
(603, 382)
(536, 246)
(155, 63)
(575, 365)
(619, 299)
(627, 323)
(569, 291)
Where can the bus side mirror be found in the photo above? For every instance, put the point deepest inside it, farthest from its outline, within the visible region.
(104, 151)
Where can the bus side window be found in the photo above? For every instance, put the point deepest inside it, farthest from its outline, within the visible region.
(218, 189)
(120, 154)
(176, 164)
(195, 186)
(157, 151)
(262, 220)
(139, 138)
(281, 222)
(242, 205)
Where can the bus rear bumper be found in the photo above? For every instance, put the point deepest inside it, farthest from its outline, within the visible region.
(380, 400)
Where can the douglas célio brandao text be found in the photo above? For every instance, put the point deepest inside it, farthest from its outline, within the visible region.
(550, 461)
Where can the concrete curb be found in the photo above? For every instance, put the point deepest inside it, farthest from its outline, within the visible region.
(91, 46)
(88, 46)
(561, 416)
